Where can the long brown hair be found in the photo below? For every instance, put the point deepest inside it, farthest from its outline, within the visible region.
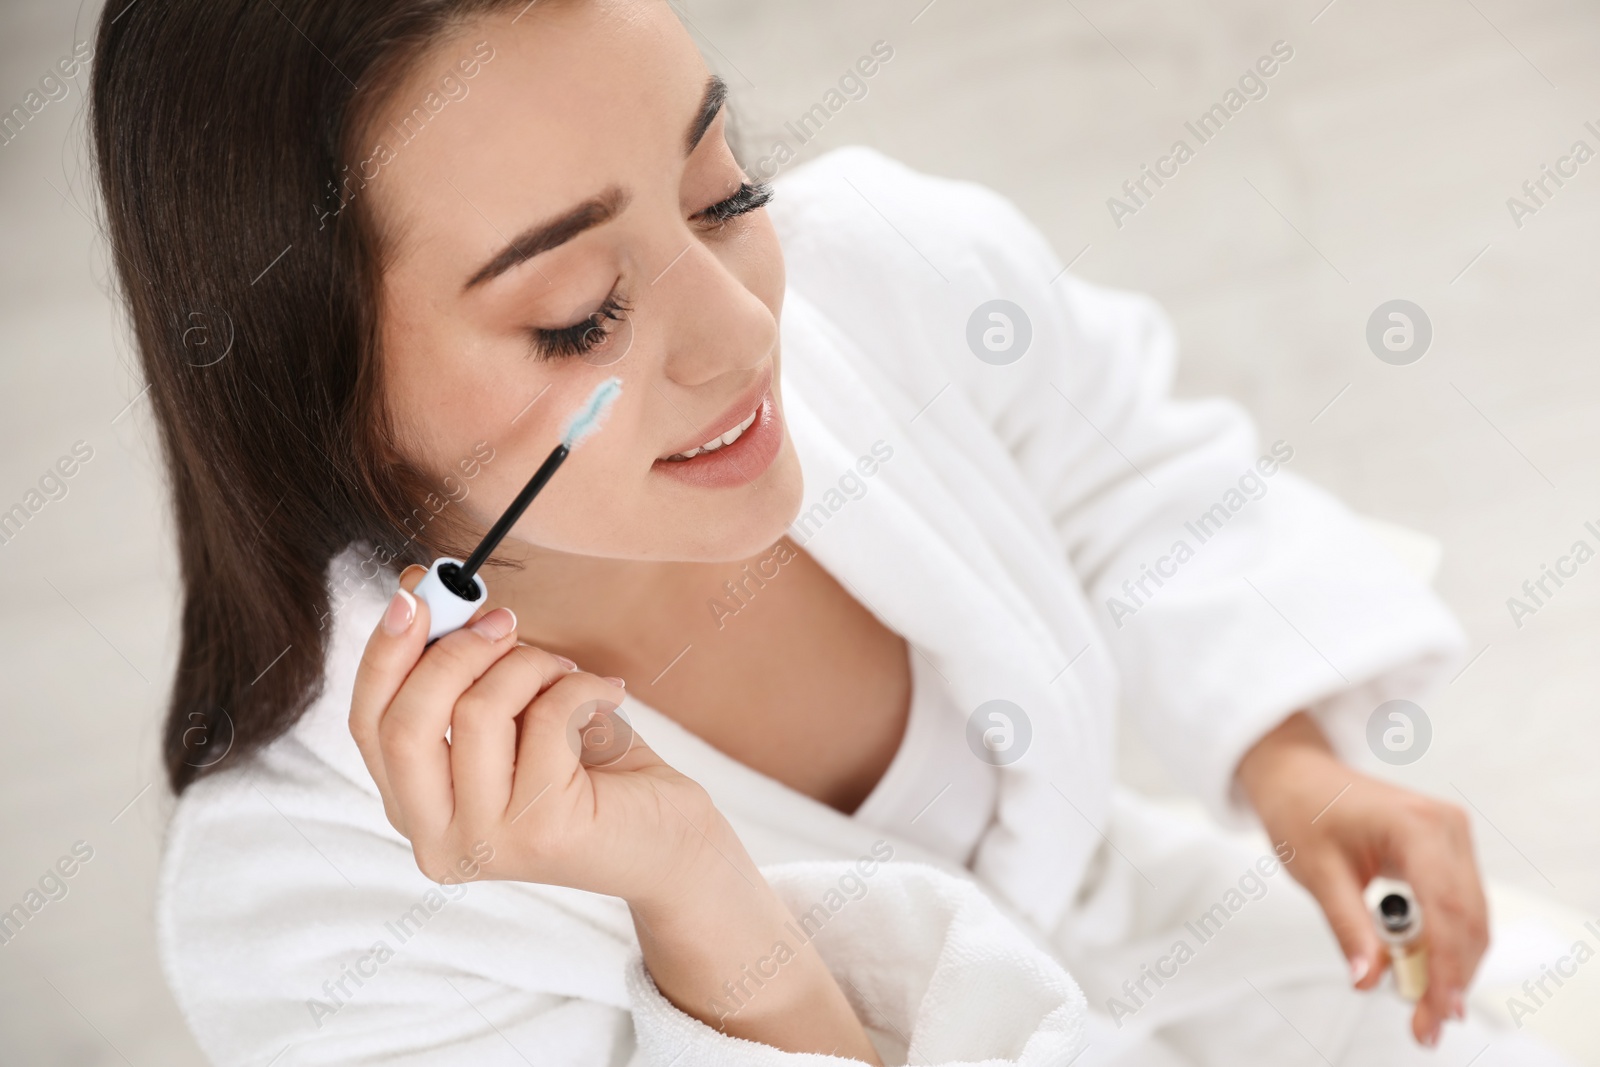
(223, 134)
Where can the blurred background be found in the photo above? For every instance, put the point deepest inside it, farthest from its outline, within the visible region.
(1379, 166)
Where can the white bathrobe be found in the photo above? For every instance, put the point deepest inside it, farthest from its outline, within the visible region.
(1007, 537)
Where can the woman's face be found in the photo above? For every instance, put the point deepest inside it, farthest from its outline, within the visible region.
(569, 212)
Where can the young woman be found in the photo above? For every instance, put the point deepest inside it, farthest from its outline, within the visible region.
(860, 570)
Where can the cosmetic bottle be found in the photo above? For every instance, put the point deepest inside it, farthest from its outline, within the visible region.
(1398, 918)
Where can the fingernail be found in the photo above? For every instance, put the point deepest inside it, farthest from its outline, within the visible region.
(401, 610)
(1432, 1037)
(565, 662)
(1458, 1006)
(618, 682)
(1359, 968)
(496, 624)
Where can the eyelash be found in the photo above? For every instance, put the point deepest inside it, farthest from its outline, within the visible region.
(745, 199)
(583, 336)
(591, 332)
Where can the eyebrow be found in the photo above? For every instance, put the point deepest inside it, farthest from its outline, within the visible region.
(552, 233)
(711, 102)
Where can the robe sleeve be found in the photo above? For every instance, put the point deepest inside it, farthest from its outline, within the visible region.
(294, 932)
(930, 966)
(1230, 591)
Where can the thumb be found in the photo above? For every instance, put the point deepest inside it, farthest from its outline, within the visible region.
(1337, 890)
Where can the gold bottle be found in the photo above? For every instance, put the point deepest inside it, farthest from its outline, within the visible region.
(1398, 918)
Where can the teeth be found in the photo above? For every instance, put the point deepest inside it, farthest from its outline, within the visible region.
(717, 442)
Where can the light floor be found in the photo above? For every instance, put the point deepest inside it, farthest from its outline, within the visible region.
(1377, 167)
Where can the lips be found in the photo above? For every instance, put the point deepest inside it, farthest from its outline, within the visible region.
(739, 461)
(716, 442)
(732, 418)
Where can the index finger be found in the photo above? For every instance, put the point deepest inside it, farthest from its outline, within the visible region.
(393, 649)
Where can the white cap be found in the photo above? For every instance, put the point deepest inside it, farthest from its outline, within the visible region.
(447, 611)
(1398, 921)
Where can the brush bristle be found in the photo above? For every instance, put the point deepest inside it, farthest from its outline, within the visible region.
(593, 413)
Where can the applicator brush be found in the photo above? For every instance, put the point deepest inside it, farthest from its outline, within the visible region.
(452, 588)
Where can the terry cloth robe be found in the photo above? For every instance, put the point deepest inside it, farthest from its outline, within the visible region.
(1000, 504)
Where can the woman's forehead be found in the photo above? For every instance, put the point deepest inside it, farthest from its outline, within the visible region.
(570, 100)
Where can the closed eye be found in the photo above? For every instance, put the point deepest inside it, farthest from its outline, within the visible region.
(593, 330)
(745, 199)
(583, 336)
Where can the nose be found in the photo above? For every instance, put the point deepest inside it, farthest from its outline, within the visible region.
(712, 322)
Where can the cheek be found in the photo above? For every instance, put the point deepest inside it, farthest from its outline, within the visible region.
(596, 481)
(413, 381)
(431, 418)
(447, 390)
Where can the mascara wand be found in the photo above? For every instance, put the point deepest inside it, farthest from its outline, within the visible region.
(452, 588)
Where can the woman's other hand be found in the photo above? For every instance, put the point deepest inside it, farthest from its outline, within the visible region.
(1347, 828)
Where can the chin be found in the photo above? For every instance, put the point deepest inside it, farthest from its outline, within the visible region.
(747, 521)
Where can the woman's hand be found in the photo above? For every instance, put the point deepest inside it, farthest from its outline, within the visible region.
(1347, 828)
(539, 780)
(539, 773)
